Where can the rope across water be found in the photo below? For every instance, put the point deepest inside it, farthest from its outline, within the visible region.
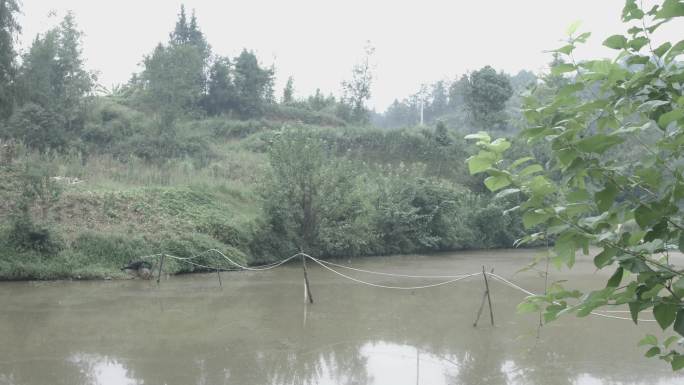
(329, 266)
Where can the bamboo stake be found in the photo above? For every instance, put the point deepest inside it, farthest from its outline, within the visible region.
(218, 272)
(307, 292)
(479, 312)
(161, 263)
(485, 296)
(489, 299)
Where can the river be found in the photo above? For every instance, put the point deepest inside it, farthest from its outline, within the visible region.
(256, 329)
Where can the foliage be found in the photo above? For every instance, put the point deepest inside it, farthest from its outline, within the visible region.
(253, 85)
(220, 96)
(357, 90)
(9, 27)
(288, 91)
(485, 93)
(628, 206)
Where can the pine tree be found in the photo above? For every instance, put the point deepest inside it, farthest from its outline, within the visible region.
(9, 28)
(181, 33)
(288, 92)
(220, 90)
(75, 82)
(253, 84)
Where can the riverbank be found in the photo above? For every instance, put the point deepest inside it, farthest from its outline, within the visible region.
(77, 216)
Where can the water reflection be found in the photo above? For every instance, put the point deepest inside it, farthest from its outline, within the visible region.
(188, 331)
(102, 370)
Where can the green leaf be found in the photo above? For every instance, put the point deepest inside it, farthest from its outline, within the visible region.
(679, 323)
(482, 136)
(677, 362)
(541, 186)
(616, 278)
(531, 169)
(669, 9)
(499, 145)
(654, 351)
(507, 192)
(634, 309)
(676, 50)
(662, 49)
(599, 143)
(670, 340)
(646, 216)
(637, 43)
(565, 248)
(533, 218)
(566, 49)
(527, 307)
(616, 42)
(605, 257)
(665, 314)
(649, 339)
(572, 28)
(605, 198)
(481, 162)
(497, 182)
(520, 161)
(582, 38)
(562, 68)
(665, 119)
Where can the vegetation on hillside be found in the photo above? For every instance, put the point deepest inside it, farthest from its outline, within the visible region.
(195, 152)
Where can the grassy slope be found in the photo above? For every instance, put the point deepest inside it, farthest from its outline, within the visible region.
(122, 210)
(117, 212)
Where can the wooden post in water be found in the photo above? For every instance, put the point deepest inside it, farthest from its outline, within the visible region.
(161, 264)
(307, 291)
(485, 296)
(489, 298)
(218, 272)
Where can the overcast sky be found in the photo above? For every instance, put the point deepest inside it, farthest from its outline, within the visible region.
(318, 41)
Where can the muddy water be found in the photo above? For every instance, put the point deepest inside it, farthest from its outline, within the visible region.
(257, 330)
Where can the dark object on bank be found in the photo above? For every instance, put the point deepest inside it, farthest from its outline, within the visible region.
(142, 269)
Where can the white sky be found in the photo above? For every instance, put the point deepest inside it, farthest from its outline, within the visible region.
(318, 41)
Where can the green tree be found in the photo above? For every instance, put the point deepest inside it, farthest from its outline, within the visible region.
(220, 89)
(297, 160)
(9, 28)
(253, 84)
(288, 92)
(485, 94)
(173, 81)
(52, 85)
(75, 82)
(439, 101)
(174, 76)
(593, 190)
(357, 90)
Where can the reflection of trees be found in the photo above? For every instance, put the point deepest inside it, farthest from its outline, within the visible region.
(189, 332)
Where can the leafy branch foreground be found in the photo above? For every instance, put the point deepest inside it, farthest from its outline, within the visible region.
(614, 179)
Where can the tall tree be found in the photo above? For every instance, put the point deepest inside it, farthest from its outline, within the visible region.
(181, 33)
(485, 95)
(220, 89)
(253, 84)
(288, 91)
(174, 78)
(439, 100)
(52, 88)
(9, 28)
(357, 90)
(76, 82)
